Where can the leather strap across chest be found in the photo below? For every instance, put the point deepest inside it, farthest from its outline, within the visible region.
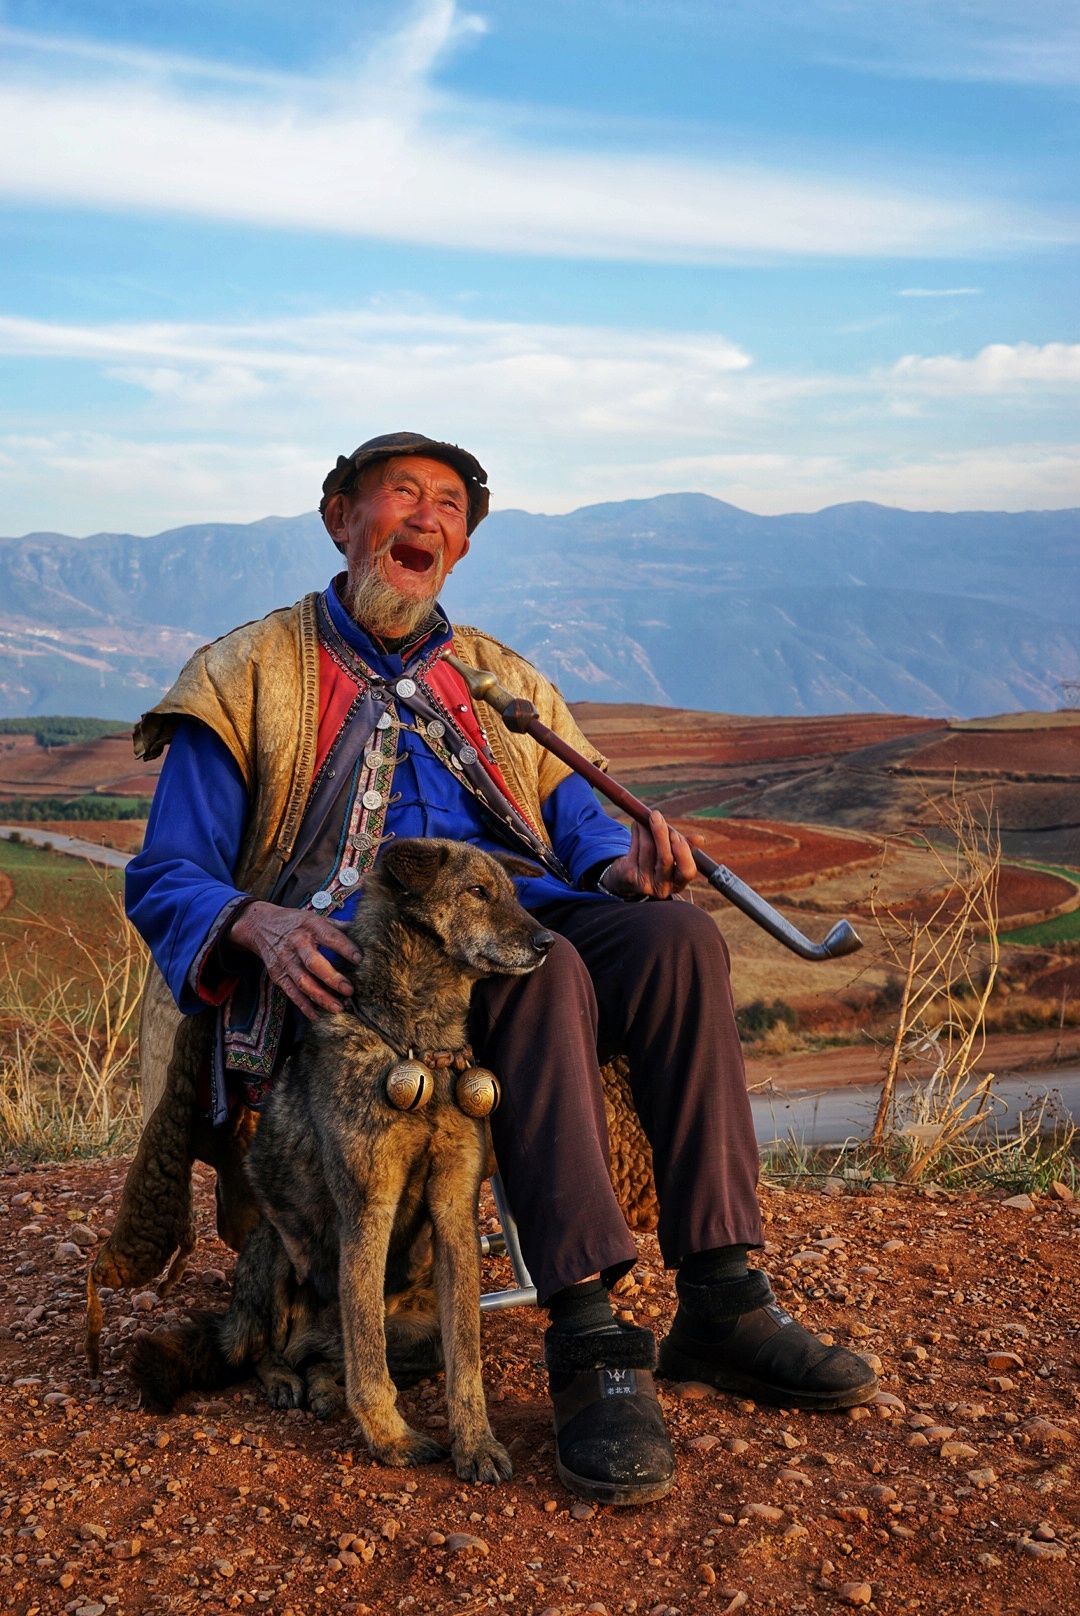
(344, 824)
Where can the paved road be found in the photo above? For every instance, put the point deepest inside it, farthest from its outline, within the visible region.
(829, 1116)
(73, 845)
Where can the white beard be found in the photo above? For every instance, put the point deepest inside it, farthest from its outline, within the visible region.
(376, 606)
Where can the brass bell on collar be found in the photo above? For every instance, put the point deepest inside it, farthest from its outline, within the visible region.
(477, 1092)
(409, 1085)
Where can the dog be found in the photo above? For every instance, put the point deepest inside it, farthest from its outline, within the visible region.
(355, 1191)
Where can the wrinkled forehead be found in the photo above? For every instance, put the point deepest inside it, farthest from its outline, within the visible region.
(435, 476)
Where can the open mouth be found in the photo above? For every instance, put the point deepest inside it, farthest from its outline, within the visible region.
(412, 557)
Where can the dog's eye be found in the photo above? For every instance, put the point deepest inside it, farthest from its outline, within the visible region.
(480, 892)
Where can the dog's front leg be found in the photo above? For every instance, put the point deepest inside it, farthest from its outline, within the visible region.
(452, 1195)
(369, 1391)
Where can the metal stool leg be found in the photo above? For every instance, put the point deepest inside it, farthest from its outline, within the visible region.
(524, 1294)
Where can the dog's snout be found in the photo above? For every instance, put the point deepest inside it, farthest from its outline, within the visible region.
(542, 941)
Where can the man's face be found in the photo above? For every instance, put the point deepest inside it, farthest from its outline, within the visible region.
(402, 530)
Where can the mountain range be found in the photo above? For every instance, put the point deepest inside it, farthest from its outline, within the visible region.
(680, 600)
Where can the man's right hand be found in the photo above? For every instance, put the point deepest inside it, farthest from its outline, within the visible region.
(288, 943)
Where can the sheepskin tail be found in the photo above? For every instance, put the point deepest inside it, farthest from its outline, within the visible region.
(188, 1357)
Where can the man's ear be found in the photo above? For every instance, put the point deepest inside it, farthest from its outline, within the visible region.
(333, 519)
(413, 863)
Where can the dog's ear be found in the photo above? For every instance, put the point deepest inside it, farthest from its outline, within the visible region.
(414, 863)
(517, 866)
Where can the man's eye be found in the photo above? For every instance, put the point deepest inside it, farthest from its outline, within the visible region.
(480, 892)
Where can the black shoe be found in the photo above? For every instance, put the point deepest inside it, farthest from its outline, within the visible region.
(751, 1347)
(610, 1440)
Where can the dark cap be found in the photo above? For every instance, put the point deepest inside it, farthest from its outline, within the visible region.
(348, 468)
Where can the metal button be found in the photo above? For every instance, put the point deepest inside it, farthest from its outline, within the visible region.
(372, 799)
(385, 721)
(405, 688)
(467, 755)
(436, 729)
(362, 840)
(321, 900)
(349, 877)
(373, 760)
(455, 760)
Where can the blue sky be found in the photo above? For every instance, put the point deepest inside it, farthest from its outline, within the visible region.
(787, 252)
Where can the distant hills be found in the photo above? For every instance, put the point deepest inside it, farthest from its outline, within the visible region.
(681, 600)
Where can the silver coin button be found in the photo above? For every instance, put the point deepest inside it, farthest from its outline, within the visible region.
(455, 760)
(372, 799)
(373, 760)
(361, 841)
(349, 877)
(321, 900)
(384, 722)
(467, 755)
(405, 688)
(436, 729)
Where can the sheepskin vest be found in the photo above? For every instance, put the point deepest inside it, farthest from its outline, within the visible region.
(257, 688)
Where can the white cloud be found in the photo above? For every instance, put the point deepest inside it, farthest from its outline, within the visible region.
(988, 41)
(82, 482)
(940, 291)
(148, 486)
(541, 377)
(998, 368)
(1017, 476)
(379, 153)
(235, 421)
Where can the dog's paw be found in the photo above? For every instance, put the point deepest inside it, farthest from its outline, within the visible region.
(487, 1461)
(414, 1448)
(326, 1400)
(283, 1388)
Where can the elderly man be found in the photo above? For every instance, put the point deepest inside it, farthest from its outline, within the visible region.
(297, 745)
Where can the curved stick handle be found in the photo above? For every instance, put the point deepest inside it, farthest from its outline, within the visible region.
(521, 717)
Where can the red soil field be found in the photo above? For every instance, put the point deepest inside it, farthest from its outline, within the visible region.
(641, 737)
(770, 854)
(1020, 892)
(1031, 751)
(107, 765)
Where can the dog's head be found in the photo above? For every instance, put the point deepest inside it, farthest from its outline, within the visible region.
(466, 901)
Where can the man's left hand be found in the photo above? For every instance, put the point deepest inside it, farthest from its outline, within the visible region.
(660, 862)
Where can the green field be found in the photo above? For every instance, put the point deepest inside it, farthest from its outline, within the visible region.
(1058, 929)
(658, 790)
(67, 892)
(71, 971)
(31, 810)
(1061, 929)
(63, 731)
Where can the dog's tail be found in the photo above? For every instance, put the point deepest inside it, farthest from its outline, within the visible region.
(188, 1357)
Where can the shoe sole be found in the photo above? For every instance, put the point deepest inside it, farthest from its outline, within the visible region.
(610, 1492)
(676, 1365)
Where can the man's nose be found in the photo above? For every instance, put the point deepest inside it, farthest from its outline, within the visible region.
(424, 516)
(542, 941)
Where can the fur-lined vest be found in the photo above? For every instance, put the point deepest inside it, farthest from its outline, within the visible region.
(258, 690)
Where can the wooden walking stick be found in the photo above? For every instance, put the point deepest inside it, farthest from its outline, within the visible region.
(520, 716)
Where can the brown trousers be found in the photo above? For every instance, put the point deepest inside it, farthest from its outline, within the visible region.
(649, 981)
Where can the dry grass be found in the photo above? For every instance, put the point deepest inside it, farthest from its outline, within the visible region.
(947, 958)
(68, 1005)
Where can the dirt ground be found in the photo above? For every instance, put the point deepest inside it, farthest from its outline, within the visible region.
(956, 1492)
